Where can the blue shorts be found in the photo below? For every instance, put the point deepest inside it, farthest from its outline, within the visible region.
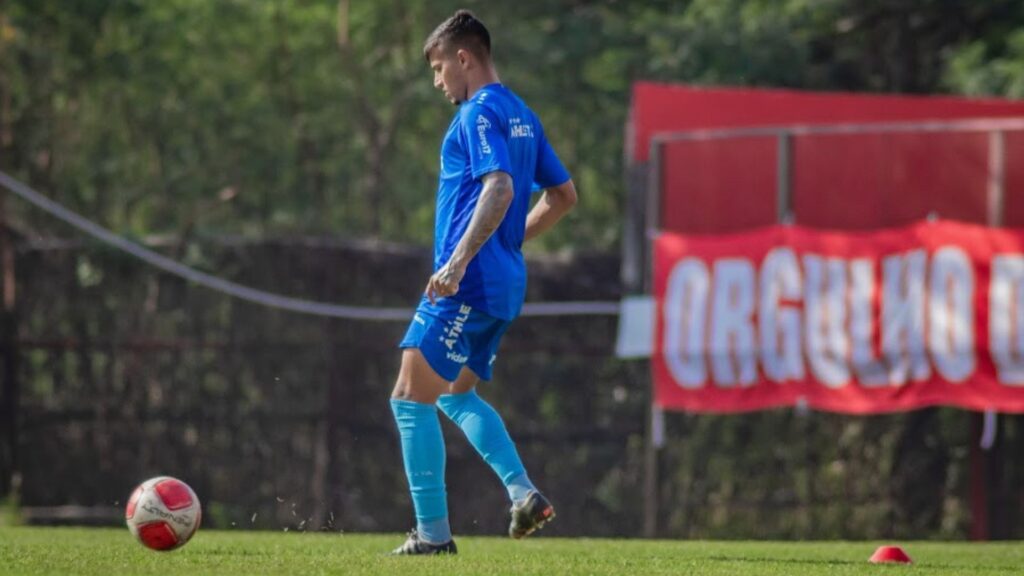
(452, 335)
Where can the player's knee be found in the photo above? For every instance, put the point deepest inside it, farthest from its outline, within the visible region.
(413, 392)
(417, 384)
(405, 390)
(402, 390)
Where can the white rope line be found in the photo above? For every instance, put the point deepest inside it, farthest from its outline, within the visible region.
(259, 296)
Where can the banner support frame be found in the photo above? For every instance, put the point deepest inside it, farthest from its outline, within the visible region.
(655, 429)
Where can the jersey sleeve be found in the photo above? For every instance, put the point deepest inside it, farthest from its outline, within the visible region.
(487, 143)
(550, 171)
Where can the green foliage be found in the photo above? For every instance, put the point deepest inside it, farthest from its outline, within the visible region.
(977, 73)
(266, 117)
(9, 515)
(991, 61)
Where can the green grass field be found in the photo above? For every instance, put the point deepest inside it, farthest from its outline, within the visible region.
(109, 552)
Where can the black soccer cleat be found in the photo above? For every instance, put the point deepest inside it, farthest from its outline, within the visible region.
(530, 516)
(414, 546)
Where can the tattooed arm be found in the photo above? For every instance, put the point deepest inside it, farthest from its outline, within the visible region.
(490, 210)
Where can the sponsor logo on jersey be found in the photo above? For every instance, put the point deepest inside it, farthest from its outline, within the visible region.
(457, 358)
(520, 129)
(455, 328)
(482, 126)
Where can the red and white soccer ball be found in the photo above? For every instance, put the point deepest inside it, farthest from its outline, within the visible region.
(163, 513)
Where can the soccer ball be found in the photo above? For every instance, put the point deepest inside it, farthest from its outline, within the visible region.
(163, 513)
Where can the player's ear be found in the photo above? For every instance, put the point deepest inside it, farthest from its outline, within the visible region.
(463, 57)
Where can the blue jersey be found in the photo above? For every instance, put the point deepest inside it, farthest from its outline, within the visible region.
(492, 131)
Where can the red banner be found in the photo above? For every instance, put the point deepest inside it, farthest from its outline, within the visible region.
(931, 314)
(658, 108)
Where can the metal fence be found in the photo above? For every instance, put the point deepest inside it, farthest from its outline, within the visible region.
(846, 176)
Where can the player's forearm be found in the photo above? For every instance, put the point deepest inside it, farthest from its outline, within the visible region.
(495, 198)
(553, 205)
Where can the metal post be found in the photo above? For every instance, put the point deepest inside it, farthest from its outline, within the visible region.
(9, 343)
(783, 183)
(634, 243)
(980, 458)
(655, 440)
(979, 482)
(653, 208)
(996, 177)
(655, 423)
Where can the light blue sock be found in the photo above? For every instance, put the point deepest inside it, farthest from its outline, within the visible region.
(423, 454)
(519, 488)
(486, 432)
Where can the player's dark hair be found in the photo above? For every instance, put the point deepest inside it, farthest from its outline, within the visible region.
(461, 30)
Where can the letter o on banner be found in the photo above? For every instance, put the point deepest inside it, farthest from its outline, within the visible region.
(686, 298)
(1006, 318)
(951, 314)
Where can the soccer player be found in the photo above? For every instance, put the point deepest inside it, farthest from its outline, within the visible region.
(493, 156)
